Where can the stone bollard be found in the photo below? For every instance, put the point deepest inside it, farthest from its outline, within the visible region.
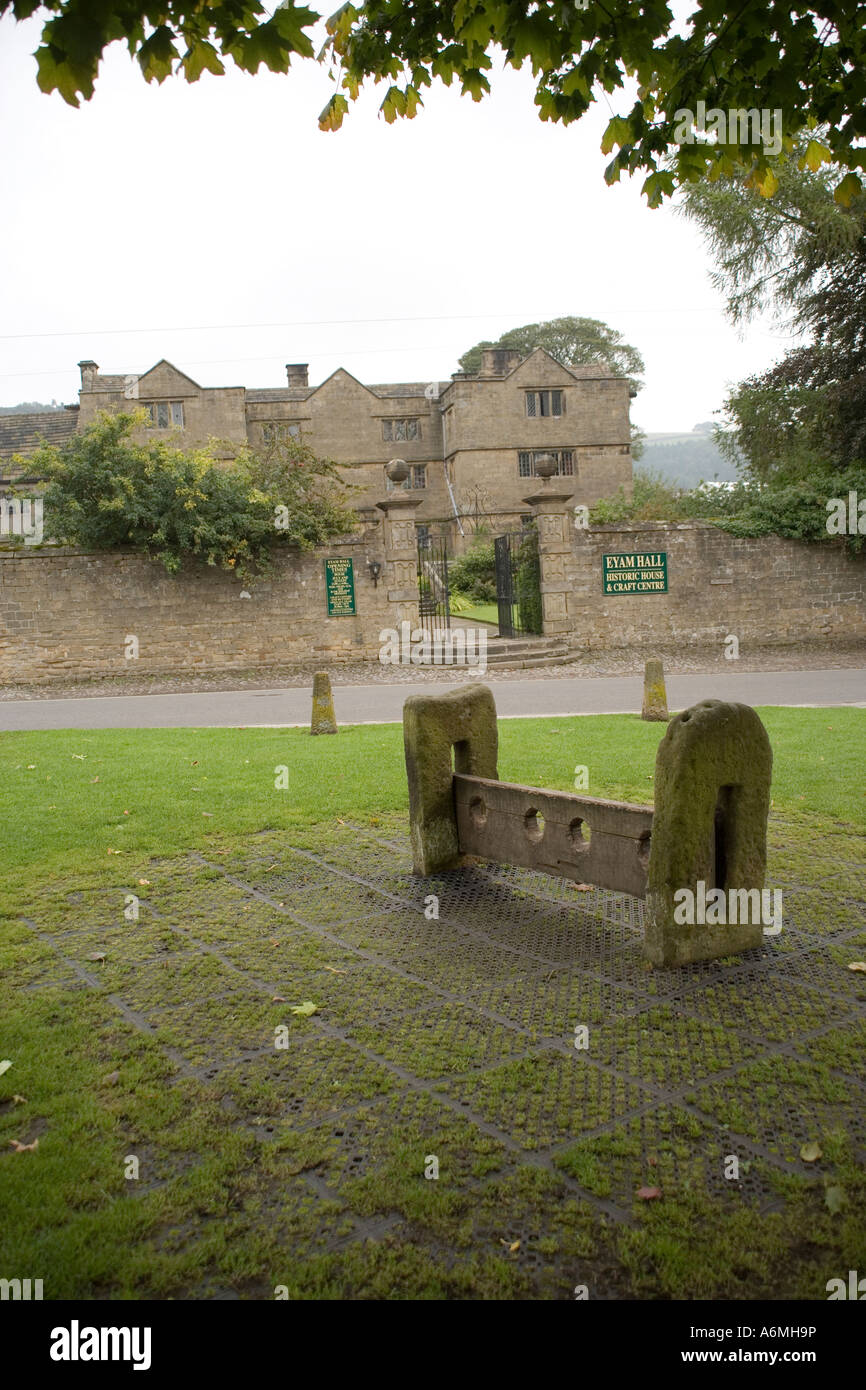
(323, 721)
(655, 699)
(712, 794)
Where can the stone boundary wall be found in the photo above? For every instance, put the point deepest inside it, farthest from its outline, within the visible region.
(66, 613)
(765, 591)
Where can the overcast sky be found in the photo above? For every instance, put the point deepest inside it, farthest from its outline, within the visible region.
(215, 225)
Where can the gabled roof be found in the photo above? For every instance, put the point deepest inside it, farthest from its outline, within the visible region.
(398, 390)
(20, 433)
(164, 362)
(408, 388)
(278, 393)
(595, 369)
(111, 381)
(341, 371)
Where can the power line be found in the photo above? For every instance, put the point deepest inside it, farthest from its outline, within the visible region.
(220, 361)
(328, 323)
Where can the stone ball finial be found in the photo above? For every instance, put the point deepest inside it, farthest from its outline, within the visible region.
(545, 465)
(397, 470)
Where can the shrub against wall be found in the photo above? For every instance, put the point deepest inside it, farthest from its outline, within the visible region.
(528, 581)
(797, 510)
(106, 491)
(473, 574)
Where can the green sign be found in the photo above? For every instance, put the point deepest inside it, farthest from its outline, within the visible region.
(635, 572)
(340, 588)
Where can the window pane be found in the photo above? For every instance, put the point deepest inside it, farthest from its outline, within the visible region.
(177, 414)
(412, 430)
(386, 430)
(151, 410)
(544, 402)
(162, 414)
(567, 462)
(419, 476)
(530, 402)
(294, 431)
(399, 429)
(524, 465)
(561, 395)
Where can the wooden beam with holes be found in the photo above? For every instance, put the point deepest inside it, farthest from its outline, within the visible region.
(584, 838)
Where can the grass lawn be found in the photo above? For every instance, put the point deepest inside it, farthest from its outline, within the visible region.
(164, 907)
(479, 613)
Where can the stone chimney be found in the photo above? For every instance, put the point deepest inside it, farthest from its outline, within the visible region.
(297, 373)
(89, 370)
(498, 361)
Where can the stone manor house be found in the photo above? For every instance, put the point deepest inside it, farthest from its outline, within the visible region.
(471, 442)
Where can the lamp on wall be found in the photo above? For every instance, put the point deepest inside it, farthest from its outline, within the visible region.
(375, 568)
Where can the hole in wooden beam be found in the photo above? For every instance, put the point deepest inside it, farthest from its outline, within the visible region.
(643, 848)
(477, 810)
(579, 833)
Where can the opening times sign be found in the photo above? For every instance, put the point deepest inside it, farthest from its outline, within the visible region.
(636, 572)
(340, 588)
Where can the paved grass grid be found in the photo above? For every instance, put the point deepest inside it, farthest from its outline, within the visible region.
(455, 1037)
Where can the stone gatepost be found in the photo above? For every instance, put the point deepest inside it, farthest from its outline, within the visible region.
(401, 549)
(554, 520)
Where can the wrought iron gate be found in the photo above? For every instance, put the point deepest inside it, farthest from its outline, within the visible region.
(434, 605)
(518, 583)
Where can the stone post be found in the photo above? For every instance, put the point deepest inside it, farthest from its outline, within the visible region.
(464, 720)
(712, 794)
(655, 699)
(401, 550)
(323, 720)
(553, 516)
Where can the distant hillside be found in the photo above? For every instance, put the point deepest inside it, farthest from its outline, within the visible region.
(29, 408)
(686, 459)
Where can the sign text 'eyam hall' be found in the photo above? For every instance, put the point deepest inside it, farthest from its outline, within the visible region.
(636, 573)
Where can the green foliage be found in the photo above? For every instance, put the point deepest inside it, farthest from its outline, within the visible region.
(805, 256)
(108, 491)
(473, 574)
(774, 253)
(527, 581)
(807, 64)
(779, 428)
(797, 510)
(652, 499)
(575, 342)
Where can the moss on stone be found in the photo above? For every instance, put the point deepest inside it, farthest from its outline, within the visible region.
(712, 790)
(655, 699)
(323, 720)
(465, 720)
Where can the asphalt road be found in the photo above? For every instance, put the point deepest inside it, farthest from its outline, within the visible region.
(378, 704)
